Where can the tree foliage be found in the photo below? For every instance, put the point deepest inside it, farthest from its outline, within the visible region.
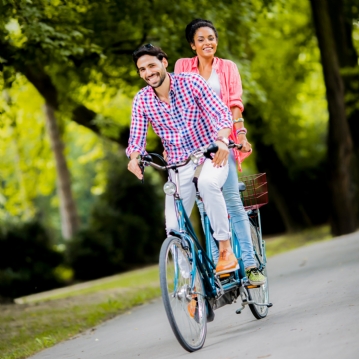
(76, 56)
(125, 228)
(28, 260)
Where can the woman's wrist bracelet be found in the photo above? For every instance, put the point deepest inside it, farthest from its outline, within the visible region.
(236, 120)
(241, 131)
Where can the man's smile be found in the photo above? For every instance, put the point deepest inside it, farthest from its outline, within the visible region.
(153, 77)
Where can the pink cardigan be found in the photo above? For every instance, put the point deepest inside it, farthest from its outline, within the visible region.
(231, 88)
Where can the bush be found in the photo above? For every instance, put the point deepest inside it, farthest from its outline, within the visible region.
(27, 260)
(126, 227)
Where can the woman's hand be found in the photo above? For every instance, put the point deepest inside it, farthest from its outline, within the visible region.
(221, 156)
(242, 139)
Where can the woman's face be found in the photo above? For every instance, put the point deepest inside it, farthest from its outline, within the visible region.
(205, 42)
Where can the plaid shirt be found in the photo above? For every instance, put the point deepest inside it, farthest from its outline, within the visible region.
(191, 120)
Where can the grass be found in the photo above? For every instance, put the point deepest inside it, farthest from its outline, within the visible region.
(53, 317)
(287, 242)
(28, 328)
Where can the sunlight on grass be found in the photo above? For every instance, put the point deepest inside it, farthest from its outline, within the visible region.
(286, 242)
(126, 280)
(29, 328)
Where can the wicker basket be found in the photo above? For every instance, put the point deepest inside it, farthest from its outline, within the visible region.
(256, 193)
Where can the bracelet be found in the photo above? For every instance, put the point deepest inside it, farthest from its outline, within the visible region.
(236, 120)
(223, 140)
(241, 131)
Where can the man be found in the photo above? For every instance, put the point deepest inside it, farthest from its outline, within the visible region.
(186, 114)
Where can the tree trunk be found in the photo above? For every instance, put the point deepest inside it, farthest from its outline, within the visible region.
(341, 16)
(340, 146)
(68, 213)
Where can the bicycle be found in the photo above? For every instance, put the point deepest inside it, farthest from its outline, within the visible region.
(188, 279)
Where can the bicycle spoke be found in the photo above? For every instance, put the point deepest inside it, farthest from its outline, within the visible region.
(175, 277)
(261, 293)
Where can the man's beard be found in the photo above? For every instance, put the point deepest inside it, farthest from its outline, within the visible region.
(162, 78)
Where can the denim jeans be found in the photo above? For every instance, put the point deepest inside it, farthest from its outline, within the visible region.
(240, 221)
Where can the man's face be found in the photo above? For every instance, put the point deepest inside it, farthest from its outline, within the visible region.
(152, 70)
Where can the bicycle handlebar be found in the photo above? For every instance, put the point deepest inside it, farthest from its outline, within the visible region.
(147, 160)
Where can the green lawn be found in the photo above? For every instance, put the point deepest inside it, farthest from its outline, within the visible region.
(27, 328)
(287, 242)
(42, 322)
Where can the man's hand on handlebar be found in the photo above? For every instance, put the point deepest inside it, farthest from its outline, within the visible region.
(134, 167)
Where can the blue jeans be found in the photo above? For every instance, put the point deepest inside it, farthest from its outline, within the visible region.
(240, 221)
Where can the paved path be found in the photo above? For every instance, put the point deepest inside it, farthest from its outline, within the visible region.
(315, 292)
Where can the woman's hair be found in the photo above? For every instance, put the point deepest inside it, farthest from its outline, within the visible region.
(194, 25)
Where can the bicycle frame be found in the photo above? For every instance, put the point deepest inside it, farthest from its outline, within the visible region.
(191, 288)
(203, 258)
(219, 289)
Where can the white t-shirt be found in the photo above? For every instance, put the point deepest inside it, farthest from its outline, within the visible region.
(213, 81)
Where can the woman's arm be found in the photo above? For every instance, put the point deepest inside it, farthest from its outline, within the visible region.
(236, 104)
(237, 113)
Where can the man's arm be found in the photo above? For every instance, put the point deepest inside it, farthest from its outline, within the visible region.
(137, 139)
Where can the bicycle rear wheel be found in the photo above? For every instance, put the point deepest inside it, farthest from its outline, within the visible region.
(185, 311)
(259, 294)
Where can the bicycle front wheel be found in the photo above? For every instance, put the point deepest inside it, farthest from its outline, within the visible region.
(185, 309)
(259, 294)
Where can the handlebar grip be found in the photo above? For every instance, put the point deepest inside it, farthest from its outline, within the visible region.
(143, 159)
(147, 158)
(212, 148)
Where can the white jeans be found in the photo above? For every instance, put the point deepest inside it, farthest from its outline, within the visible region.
(210, 182)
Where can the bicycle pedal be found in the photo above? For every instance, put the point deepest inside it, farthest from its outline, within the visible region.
(225, 275)
(252, 286)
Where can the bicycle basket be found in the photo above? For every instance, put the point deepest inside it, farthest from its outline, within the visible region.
(256, 193)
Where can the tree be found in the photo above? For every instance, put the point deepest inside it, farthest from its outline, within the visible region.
(340, 142)
(60, 46)
(287, 122)
(70, 50)
(68, 211)
(343, 15)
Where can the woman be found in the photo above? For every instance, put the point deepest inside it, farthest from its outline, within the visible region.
(222, 75)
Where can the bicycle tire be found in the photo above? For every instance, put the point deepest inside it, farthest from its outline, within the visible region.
(261, 293)
(175, 281)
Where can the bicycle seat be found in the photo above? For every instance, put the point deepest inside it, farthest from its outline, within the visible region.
(241, 186)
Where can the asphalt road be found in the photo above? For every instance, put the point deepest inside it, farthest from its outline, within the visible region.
(315, 292)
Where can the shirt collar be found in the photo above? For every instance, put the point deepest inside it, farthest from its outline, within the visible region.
(195, 64)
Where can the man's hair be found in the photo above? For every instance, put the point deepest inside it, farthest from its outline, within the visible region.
(148, 49)
(194, 25)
